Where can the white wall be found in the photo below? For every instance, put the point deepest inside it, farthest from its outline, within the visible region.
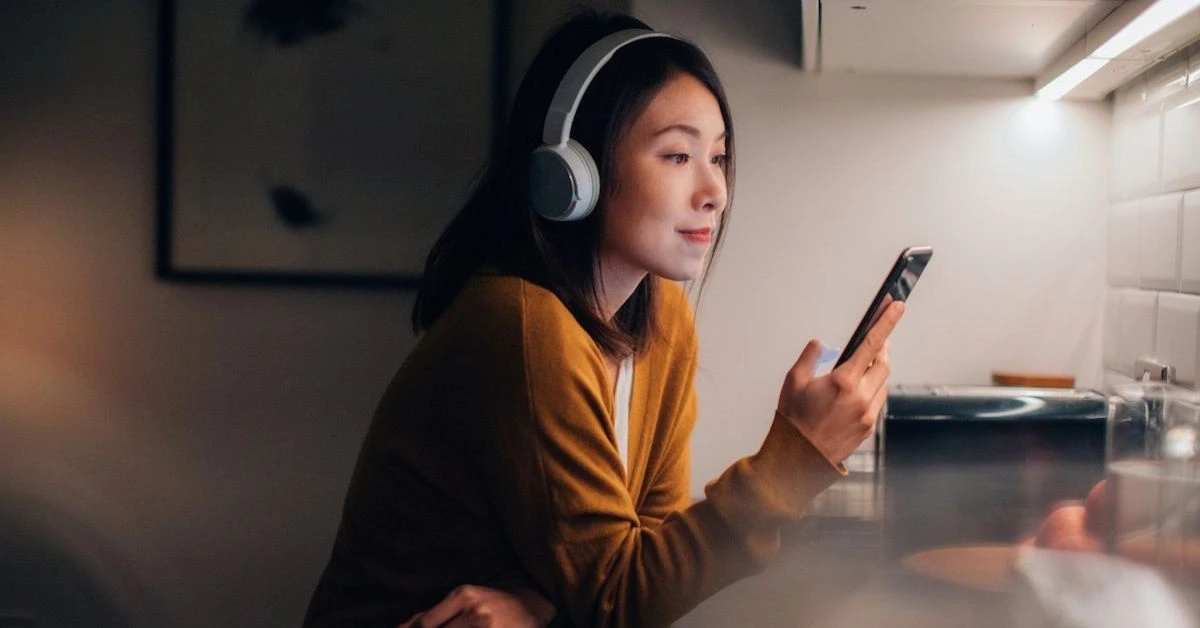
(1153, 304)
(837, 173)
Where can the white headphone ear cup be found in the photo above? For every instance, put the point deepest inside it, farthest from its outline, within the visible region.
(563, 181)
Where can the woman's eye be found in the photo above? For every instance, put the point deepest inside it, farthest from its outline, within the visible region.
(721, 160)
(679, 158)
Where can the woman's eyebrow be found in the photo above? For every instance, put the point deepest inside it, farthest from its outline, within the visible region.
(686, 128)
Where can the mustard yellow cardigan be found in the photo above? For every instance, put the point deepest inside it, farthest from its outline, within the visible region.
(492, 460)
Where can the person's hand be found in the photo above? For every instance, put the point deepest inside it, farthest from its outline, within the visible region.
(472, 606)
(1066, 529)
(1074, 526)
(836, 412)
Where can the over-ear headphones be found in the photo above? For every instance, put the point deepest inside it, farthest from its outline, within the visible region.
(564, 183)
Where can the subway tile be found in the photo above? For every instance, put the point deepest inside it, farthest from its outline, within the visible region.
(1123, 157)
(1135, 329)
(1158, 243)
(1189, 244)
(1123, 244)
(1145, 137)
(1112, 323)
(1181, 140)
(1176, 333)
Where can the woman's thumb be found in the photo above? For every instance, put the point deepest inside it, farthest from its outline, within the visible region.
(802, 370)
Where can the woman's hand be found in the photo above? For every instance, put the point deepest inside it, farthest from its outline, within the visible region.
(472, 606)
(838, 411)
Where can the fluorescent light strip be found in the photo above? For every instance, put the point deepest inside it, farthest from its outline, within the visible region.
(1152, 20)
(1156, 17)
(1070, 79)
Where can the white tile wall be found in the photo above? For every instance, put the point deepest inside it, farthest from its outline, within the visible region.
(1123, 244)
(1158, 243)
(1181, 138)
(1153, 304)
(1112, 322)
(1135, 330)
(1177, 330)
(1145, 137)
(1189, 244)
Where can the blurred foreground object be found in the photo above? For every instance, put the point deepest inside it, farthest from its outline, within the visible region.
(1153, 479)
(1072, 589)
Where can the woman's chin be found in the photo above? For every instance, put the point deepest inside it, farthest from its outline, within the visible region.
(679, 274)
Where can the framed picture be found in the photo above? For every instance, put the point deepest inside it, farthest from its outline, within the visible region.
(319, 142)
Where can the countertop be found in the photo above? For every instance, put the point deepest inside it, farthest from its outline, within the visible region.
(842, 565)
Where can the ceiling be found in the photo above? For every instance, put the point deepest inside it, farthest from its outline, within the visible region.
(983, 38)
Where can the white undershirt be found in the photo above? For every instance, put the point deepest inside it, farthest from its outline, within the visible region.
(624, 398)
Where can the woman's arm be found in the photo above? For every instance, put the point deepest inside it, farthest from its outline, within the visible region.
(558, 488)
(534, 412)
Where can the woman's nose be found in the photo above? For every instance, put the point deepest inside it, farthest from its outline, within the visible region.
(710, 189)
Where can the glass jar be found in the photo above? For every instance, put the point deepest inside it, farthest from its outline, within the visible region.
(1152, 491)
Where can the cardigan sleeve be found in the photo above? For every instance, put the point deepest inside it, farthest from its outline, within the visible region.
(557, 486)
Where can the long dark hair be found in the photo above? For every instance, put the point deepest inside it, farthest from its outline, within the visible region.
(498, 225)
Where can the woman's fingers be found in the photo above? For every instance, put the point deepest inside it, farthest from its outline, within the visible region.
(801, 372)
(867, 352)
(462, 621)
(836, 412)
(475, 606)
(446, 610)
(875, 378)
(876, 405)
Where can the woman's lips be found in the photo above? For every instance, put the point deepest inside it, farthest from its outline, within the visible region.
(699, 236)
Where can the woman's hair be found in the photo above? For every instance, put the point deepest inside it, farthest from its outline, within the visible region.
(498, 225)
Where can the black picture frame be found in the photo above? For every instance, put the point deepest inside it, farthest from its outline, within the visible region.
(180, 259)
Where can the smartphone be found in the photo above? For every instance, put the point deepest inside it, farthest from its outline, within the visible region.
(898, 285)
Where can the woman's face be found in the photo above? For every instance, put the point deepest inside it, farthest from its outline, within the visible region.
(670, 187)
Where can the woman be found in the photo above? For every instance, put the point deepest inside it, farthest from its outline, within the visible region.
(529, 461)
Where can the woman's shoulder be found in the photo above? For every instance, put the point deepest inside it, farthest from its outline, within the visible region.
(508, 308)
(506, 299)
(505, 308)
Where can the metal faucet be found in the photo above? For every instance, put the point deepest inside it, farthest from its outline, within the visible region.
(1154, 371)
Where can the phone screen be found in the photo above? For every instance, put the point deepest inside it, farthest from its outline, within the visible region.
(896, 287)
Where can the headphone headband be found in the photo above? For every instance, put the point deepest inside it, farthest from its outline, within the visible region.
(570, 91)
(564, 183)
